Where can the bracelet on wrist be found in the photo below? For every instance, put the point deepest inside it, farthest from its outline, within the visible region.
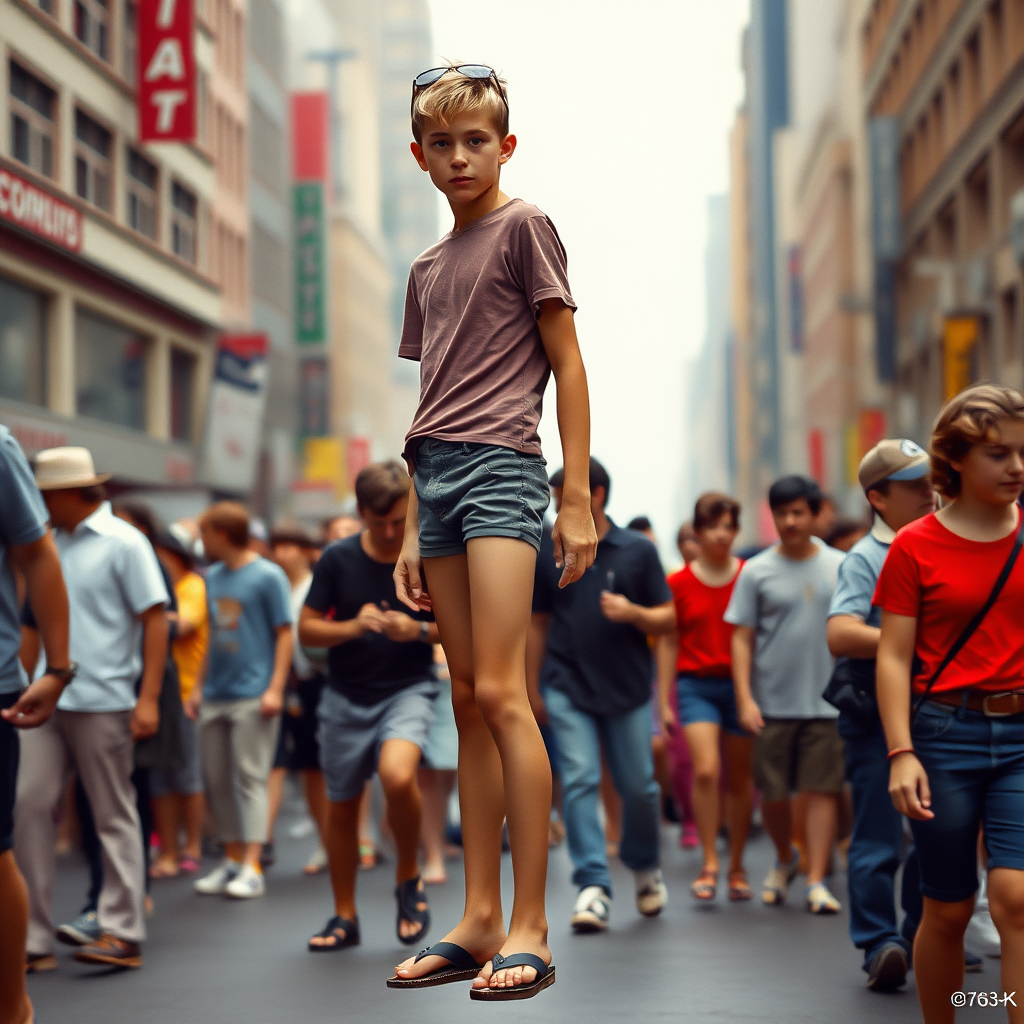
(898, 751)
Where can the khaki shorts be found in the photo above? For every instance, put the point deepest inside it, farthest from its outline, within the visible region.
(798, 755)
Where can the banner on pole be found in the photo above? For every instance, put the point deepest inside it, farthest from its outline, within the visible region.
(167, 71)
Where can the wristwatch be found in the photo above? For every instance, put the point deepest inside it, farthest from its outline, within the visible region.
(425, 632)
(65, 675)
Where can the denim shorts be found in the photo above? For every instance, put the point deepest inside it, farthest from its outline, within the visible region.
(708, 699)
(478, 490)
(975, 769)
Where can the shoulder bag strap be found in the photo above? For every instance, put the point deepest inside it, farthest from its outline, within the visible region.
(971, 626)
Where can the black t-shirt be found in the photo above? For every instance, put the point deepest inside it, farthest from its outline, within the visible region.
(603, 667)
(371, 668)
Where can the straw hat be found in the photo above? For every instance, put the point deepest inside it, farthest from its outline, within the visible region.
(61, 469)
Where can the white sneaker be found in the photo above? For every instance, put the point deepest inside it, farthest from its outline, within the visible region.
(247, 884)
(982, 935)
(651, 893)
(821, 901)
(776, 885)
(216, 882)
(593, 907)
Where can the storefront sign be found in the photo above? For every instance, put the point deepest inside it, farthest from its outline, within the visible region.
(358, 457)
(959, 335)
(235, 424)
(310, 277)
(167, 71)
(884, 141)
(31, 208)
(314, 397)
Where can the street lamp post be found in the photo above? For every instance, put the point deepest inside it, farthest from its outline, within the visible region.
(331, 59)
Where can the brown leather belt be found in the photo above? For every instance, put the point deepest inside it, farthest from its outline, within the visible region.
(994, 705)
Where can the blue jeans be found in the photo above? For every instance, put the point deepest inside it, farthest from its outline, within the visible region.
(975, 769)
(876, 846)
(626, 740)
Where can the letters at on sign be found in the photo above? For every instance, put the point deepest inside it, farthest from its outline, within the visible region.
(167, 71)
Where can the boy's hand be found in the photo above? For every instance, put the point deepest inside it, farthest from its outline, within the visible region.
(908, 787)
(750, 718)
(616, 607)
(370, 619)
(36, 704)
(668, 718)
(191, 706)
(409, 579)
(271, 704)
(575, 542)
(400, 627)
(145, 719)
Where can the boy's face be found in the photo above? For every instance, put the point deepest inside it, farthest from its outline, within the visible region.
(464, 158)
(794, 522)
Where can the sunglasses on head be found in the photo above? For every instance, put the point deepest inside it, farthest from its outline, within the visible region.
(480, 72)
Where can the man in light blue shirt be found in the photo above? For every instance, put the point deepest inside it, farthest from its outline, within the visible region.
(118, 633)
(896, 478)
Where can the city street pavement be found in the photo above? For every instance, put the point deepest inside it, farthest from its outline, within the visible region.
(211, 960)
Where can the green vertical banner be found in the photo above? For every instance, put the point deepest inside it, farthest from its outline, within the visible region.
(310, 263)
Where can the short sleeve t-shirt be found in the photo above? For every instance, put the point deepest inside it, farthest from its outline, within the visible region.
(247, 607)
(372, 667)
(471, 320)
(23, 519)
(189, 651)
(786, 602)
(858, 576)
(705, 638)
(942, 580)
(603, 667)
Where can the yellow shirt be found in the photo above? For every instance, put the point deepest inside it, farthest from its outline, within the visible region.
(189, 651)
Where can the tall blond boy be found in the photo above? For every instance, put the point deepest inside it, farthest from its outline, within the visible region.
(489, 315)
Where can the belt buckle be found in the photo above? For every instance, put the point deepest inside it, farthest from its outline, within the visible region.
(1000, 714)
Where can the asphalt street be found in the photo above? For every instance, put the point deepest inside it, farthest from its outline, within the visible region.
(209, 959)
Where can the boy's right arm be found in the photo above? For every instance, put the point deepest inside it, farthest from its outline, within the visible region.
(747, 710)
(315, 630)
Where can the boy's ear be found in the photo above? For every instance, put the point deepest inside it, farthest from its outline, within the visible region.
(417, 151)
(508, 147)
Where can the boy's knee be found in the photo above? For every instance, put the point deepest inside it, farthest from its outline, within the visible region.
(1006, 900)
(397, 780)
(949, 918)
(500, 707)
(706, 776)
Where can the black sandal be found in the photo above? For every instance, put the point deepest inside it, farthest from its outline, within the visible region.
(545, 978)
(330, 931)
(409, 896)
(461, 967)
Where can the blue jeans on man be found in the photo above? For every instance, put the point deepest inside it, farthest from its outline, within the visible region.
(876, 846)
(626, 742)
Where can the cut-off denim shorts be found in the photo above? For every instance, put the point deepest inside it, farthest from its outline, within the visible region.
(975, 769)
(470, 490)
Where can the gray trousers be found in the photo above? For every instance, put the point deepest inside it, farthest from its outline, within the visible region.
(238, 746)
(98, 745)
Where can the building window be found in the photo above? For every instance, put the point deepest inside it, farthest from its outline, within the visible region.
(33, 106)
(130, 43)
(184, 227)
(141, 192)
(183, 375)
(47, 6)
(22, 343)
(92, 161)
(92, 26)
(110, 371)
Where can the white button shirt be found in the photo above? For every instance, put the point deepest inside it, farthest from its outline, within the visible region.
(112, 576)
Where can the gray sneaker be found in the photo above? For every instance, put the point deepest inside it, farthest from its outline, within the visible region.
(83, 930)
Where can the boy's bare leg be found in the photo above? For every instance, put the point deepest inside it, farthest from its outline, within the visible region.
(341, 840)
(739, 755)
(481, 793)
(194, 811)
(168, 823)
(436, 786)
(15, 1007)
(822, 817)
(275, 795)
(316, 799)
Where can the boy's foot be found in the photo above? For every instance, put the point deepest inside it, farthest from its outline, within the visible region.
(651, 893)
(480, 943)
(247, 884)
(164, 869)
(776, 884)
(191, 864)
(217, 880)
(268, 856)
(689, 838)
(821, 901)
(317, 863)
(84, 929)
(37, 963)
(887, 969)
(592, 910)
(110, 951)
(514, 976)
(434, 873)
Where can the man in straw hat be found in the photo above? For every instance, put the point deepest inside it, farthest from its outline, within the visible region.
(118, 634)
(27, 547)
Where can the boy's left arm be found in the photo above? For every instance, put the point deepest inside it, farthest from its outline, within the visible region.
(574, 535)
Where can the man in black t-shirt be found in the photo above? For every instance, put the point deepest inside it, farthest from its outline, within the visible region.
(378, 706)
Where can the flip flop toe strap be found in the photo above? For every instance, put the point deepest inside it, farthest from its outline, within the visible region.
(504, 963)
(409, 897)
(458, 957)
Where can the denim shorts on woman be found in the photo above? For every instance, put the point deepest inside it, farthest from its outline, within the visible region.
(975, 769)
(477, 490)
(708, 699)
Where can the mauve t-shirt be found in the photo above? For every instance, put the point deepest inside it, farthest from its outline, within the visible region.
(471, 321)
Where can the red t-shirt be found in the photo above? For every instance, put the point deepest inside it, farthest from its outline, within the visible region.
(705, 638)
(943, 580)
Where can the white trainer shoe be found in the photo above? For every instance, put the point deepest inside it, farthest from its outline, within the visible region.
(981, 932)
(247, 884)
(592, 910)
(651, 893)
(776, 885)
(216, 882)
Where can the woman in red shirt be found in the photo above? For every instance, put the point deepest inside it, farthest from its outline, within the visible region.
(959, 764)
(704, 692)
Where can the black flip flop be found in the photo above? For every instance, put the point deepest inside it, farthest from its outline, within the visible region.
(408, 895)
(545, 978)
(461, 967)
(329, 931)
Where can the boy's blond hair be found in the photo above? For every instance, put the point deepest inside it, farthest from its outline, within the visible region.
(453, 95)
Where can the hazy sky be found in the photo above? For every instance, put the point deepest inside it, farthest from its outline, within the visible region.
(622, 113)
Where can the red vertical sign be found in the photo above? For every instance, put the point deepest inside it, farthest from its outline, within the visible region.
(167, 71)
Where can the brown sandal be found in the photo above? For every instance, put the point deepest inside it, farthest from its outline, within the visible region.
(739, 888)
(705, 888)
